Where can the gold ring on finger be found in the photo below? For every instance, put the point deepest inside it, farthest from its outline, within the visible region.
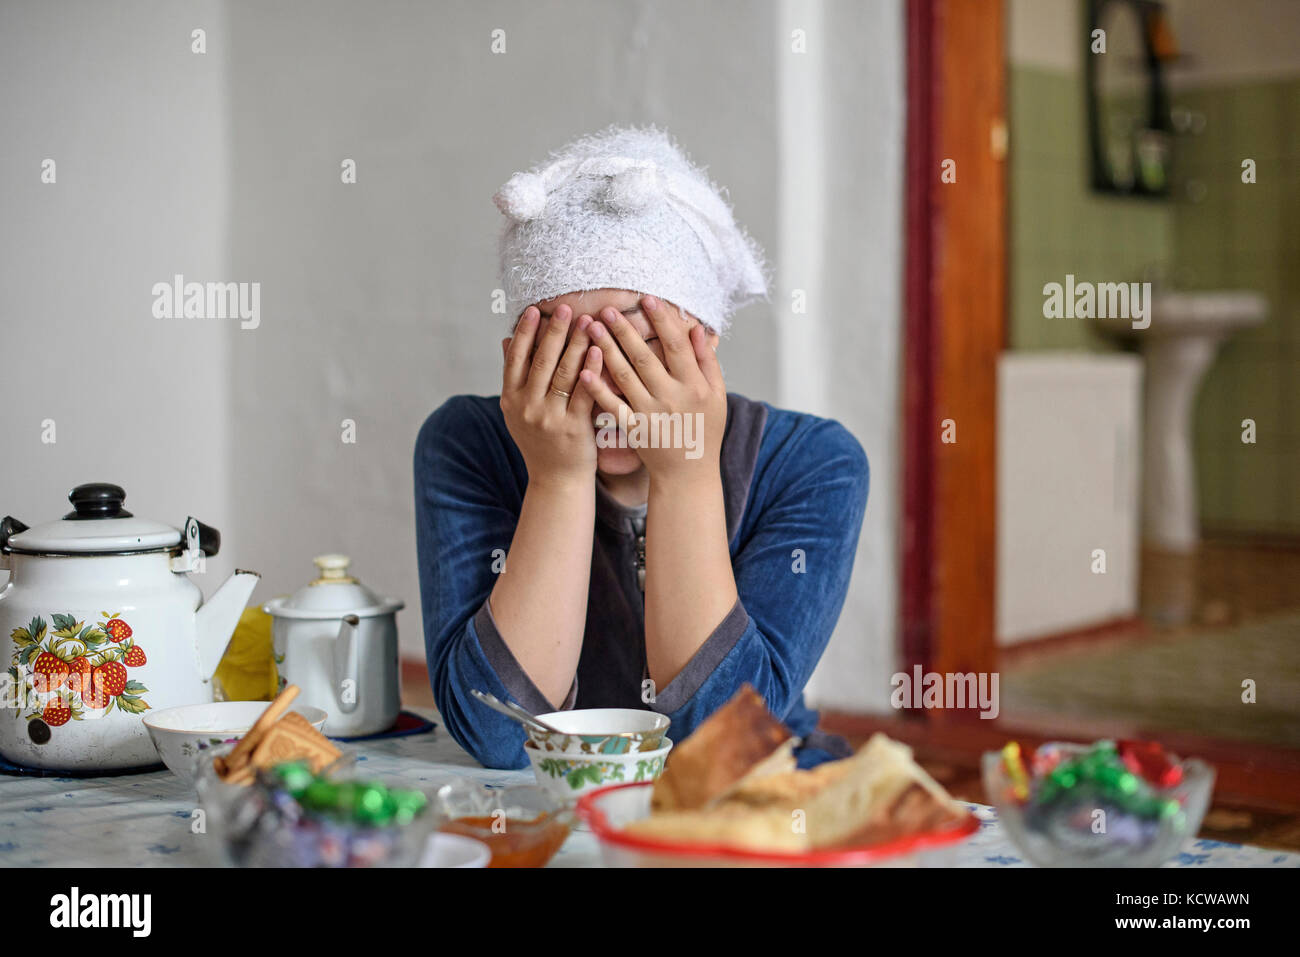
(560, 392)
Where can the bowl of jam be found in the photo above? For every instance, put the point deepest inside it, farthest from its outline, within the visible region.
(522, 825)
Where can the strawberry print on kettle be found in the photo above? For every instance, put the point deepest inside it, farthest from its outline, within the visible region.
(70, 668)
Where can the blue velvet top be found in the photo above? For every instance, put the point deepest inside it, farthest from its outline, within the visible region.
(795, 488)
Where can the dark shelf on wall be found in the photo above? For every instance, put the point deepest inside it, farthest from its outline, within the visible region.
(1157, 126)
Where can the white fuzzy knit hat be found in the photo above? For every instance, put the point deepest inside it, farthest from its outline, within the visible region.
(626, 209)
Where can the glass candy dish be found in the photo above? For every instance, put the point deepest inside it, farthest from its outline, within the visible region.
(1087, 827)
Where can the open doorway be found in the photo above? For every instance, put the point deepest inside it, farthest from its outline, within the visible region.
(981, 181)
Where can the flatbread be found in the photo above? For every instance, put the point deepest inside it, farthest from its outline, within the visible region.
(740, 741)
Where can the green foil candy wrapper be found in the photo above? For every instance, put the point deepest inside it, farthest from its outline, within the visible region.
(363, 803)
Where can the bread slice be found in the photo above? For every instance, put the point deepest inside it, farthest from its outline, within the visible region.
(739, 742)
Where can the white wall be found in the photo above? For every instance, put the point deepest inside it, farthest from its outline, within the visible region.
(376, 296)
(858, 309)
(132, 120)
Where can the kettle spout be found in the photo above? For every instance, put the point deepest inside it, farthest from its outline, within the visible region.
(217, 617)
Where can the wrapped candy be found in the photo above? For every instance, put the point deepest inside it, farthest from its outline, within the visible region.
(290, 817)
(1148, 760)
(1016, 773)
(1066, 801)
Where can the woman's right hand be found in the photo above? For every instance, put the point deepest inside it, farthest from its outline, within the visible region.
(554, 434)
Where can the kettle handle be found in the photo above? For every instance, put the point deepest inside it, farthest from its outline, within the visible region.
(200, 537)
(9, 527)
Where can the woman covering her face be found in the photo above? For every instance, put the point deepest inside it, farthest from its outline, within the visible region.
(616, 529)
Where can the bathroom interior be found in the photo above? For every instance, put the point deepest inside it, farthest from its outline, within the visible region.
(1165, 596)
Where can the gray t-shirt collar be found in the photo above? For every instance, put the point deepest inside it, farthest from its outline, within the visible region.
(740, 443)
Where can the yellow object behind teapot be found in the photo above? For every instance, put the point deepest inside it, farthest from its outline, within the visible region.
(247, 671)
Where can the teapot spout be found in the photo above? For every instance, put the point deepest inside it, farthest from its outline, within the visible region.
(217, 617)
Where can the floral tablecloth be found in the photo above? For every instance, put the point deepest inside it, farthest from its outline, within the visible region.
(148, 820)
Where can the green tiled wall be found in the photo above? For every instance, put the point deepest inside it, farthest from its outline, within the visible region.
(1058, 225)
(1235, 236)
(1245, 236)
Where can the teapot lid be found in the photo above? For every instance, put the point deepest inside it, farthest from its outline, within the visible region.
(98, 524)
(333, 594)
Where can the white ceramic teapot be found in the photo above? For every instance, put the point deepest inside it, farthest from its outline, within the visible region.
(337, 641)
(99, 624)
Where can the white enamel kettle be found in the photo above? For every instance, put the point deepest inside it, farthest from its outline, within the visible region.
(337, 641)
(99, 624)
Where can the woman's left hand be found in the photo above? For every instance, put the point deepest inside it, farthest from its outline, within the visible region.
(683, 403)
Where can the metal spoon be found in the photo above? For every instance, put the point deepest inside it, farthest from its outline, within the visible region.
(512, 710)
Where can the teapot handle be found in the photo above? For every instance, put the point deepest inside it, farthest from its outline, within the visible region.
(347, 691)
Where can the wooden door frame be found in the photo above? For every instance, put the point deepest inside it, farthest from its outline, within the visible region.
(954, 330)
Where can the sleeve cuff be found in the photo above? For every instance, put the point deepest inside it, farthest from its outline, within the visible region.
(705, 661)
(513, 677)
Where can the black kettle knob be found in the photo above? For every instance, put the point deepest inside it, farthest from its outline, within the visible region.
(97, 500)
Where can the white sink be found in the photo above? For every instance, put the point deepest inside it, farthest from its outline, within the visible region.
(1218, 313)
(1186, 331)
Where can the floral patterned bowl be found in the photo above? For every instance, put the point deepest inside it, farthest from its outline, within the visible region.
(569, 776)
(601, 731)
(181, 734)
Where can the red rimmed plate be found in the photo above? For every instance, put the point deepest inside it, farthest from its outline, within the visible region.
(607, 811)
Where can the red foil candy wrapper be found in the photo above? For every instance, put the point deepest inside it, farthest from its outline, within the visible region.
(1148, 760)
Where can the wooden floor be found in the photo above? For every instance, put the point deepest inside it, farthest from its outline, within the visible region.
(1225, 582)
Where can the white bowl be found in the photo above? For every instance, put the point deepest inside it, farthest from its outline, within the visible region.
(454, 850)
(601, 730)
(569, 776)
(180, 734)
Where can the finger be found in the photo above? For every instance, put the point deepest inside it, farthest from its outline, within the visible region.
(548, 352)
(600, 391)
(566, 372)
(707, 357)
(583, 400)
(646, 364)
(620, 370)
(672, 332)
(521, 344)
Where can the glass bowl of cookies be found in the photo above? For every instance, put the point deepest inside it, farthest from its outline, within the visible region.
(283, 795)
(287, 815)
